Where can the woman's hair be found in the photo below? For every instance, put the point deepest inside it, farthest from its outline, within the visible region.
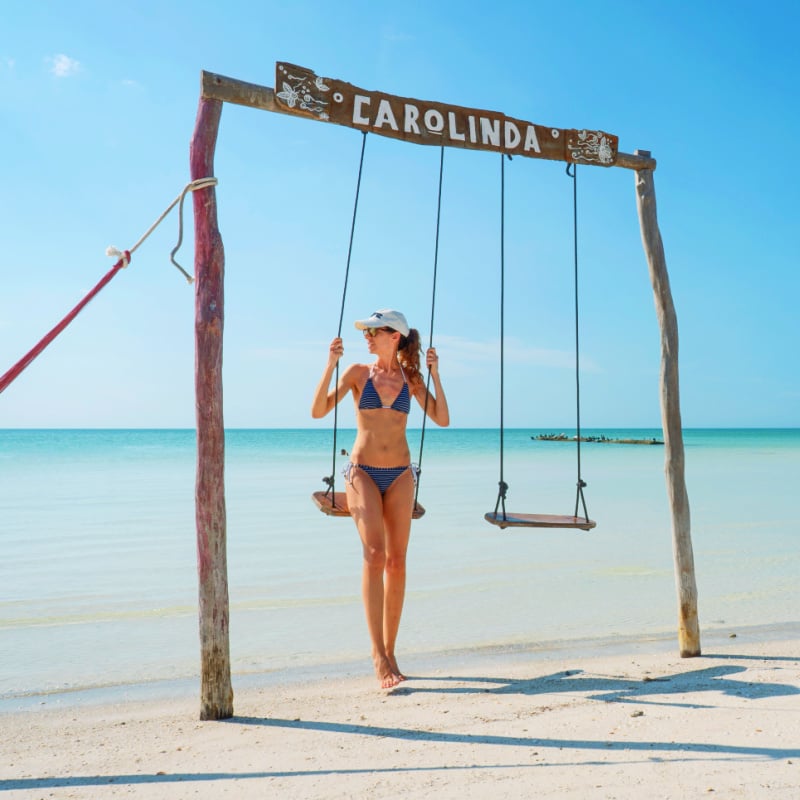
(408, 354)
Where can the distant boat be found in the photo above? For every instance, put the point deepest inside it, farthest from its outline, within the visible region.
(562, 437)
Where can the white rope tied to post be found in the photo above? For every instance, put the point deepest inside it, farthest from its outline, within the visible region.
(193, 186)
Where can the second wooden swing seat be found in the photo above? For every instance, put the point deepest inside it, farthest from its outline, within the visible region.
(510, 520)
(500, 517)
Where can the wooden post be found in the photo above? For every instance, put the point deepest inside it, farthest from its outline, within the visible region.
(216, 694)
(688, 626)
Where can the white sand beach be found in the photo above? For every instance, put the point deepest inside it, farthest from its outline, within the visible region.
(620, 721)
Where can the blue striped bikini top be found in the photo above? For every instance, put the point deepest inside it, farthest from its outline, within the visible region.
(371, 399)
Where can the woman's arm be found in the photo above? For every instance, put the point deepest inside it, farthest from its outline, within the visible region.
(437, 401)
(324, 398)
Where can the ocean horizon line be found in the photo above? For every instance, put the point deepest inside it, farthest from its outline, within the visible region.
(413, 428)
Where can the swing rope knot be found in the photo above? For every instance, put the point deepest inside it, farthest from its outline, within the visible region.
(124, 256)
(331, 490)
(501, 498)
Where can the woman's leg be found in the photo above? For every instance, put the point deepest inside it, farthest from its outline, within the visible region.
(398, 504)
(366, 507)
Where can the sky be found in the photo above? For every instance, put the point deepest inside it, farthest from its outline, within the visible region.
(98, 102)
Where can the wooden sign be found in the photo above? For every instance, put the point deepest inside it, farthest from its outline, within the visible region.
(299, 91)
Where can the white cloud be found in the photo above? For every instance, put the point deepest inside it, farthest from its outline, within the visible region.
(63, 66)
(10, 63)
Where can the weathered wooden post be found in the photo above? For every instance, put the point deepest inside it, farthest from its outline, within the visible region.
(216, 693)
(688, 624)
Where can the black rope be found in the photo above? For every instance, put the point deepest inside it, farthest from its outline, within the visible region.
(502, 485)
(433, 307)
(330, 480)
(579, 498)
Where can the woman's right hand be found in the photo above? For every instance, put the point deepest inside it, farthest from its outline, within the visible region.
(324, 399)
(335, 352)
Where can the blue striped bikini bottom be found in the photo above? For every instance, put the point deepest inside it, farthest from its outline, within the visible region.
(382, 477)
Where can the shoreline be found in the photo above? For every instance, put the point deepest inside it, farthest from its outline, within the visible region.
(494, 655)
(624, 721)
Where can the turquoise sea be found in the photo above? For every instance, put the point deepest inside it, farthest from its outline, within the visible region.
(99, 580)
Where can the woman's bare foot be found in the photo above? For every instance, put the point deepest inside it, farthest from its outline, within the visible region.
(395, 669)
(387, 677)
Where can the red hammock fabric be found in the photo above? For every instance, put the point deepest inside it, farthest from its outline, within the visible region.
(19, 367)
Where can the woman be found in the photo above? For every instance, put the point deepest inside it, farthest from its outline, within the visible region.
(379, 479)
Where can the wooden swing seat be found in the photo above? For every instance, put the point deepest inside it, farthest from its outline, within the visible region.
(538, 521)
(339, 508)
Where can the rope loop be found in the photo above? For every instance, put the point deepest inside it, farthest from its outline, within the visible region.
(196, 185)
(192, 186)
